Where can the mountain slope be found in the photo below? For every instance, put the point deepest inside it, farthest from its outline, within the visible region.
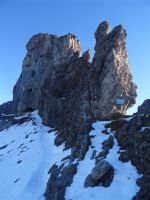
(125, 174)
(78, 157)
(27, 152)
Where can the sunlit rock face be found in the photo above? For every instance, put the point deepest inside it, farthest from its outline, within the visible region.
(44, 53)
(70, 91)
(115, 91)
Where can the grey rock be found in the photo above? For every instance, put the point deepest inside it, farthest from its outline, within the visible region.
(44, 53)
(124, 156)
(89, 182)
(68, 90)
(100, 170)
(136, 142)
(82, 92)
(9, 120)
(84, 146)
(93, 154)
(102, 175)
(102, 155)
(114, 90)
(60, 178)
(7, 108)
(108, 144)
(145, 107)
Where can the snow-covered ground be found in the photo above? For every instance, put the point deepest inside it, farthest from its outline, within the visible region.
(25, 161)
(123, 186)
(27, 152)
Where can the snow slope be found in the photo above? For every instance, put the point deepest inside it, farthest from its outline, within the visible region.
(27, 152)
(25, 162)
(123, 186)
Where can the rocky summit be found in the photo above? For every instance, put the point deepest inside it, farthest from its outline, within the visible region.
(44, 53)
(67, 125)
(69, 91)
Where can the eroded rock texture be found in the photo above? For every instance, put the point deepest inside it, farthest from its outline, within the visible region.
(102, 174)
(134, 139)
(44, 53)
(70, 91)
(78, 92)
(114, 90)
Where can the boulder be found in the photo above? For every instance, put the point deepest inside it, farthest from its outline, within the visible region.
(102, 174)
(60, 178)
(108, 144)
(100, 170)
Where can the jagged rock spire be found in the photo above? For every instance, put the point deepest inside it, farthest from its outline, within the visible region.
(44, 53)
(111, 63)
(68, 90)
(102, 30)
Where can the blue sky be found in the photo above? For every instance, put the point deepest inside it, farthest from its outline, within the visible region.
(20, 19)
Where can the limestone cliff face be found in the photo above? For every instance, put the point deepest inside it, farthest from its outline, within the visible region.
(44, 52)
(68, 90)
(115, 92)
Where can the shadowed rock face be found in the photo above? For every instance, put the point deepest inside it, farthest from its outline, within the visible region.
(81, 92)
(134, 139)
(145, 107)
(68, 90)
(44, 52)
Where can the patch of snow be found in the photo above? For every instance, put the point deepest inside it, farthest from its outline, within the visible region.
(25, 162)
(21, 117)
(124, 183)
(128, 118)
(7, 115)
(145, 127)
(120, 101)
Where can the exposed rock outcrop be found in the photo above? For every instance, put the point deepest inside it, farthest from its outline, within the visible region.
(44, 53)
(60, 178)
(134, 139)
(68, 90)
(7, 108)
(81, 92)
(102, 174)
(114, 90)
(145, 107)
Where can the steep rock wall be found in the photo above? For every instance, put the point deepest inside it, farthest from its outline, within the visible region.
(70, 91)
(44, 52)
(81, 92)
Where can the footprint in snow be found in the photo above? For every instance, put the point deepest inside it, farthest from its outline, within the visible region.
(19, 161)
(20, 145)
(31, 141)
(3, 147)
(26, 136)
(16, 180)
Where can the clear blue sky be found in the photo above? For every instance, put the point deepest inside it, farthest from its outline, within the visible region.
(20, 19)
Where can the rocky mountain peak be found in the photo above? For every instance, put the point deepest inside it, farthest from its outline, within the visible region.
(70, 91)
(102, 30)
(44, 53)
(111, 64)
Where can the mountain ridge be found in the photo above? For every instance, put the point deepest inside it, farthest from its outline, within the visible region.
(84, 103)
